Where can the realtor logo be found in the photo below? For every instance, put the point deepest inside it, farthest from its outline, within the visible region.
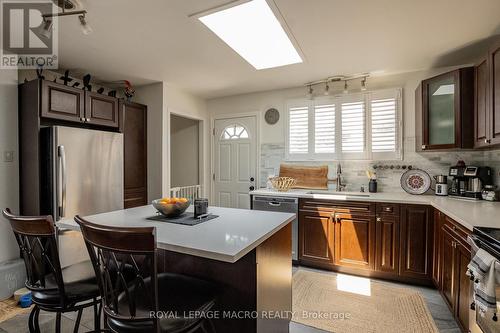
(23, 45)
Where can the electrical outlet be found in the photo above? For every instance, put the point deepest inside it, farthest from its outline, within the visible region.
(8, 156)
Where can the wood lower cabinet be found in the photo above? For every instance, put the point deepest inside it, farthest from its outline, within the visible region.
(354, 240)
(367, 238)
(316, 238)
(454, 284)
(135, 154)
(101, 109)
(416, 241)
(448, 267)
(387, 243)
(463, 285)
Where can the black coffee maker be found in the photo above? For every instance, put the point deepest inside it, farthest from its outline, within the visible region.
(469, 181)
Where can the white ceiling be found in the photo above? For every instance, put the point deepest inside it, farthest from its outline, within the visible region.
(155, 40)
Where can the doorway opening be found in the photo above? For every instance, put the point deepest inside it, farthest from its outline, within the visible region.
(185, 157)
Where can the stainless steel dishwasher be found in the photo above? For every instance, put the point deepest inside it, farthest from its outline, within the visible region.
(282, 204)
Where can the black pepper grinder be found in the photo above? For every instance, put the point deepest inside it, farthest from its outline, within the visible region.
(372, 186)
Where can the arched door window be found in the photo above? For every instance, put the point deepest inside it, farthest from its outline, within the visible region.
(233, 132)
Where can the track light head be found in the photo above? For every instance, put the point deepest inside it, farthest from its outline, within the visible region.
(46, 28)
(346, 87)
(310, 92)
(86, 28)
(363, 84)
(327, 89)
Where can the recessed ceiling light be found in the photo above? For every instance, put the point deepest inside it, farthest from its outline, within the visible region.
(254, 32)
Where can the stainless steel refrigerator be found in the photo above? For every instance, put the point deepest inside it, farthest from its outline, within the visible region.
(83, 175)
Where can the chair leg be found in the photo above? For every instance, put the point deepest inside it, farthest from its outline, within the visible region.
(58, 322)
(31, 325)
(77, 322)
(36, 320)
(97, 317)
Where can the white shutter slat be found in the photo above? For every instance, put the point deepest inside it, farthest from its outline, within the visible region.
(324, 129)
(384, 127)
(353, 127)
(298, 130)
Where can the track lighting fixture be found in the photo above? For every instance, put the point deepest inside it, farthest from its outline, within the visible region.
(46, 28)
(86, 28)
(346, 90)
(363, 84)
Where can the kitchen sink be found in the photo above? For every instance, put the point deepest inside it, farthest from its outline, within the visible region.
(341, 194)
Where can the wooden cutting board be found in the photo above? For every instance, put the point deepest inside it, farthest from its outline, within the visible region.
(308, 177)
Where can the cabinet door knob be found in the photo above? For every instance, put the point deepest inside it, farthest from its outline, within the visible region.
(485, 140)
(88, 120)
(488, 141)
(424, 146)
(82, 119)
(379, 219)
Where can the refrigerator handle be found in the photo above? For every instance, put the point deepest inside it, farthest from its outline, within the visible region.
(62, 203)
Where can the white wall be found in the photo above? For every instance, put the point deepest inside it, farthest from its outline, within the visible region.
(152, 96)
(273, 136)
(9, 172)
(184, 151)
(162, 101)
(277, 99)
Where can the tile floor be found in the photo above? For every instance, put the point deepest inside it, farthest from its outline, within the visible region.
(440, 312)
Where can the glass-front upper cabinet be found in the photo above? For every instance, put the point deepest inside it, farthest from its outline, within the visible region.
(447, 110)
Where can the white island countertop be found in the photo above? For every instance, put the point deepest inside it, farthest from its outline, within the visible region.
(227, 238)
(468, 213)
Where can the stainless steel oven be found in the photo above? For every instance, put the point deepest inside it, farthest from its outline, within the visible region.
(487, 239)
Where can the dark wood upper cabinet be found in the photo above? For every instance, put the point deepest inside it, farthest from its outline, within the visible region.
(355, 240)
(481, 107)
(416, 241)
(62, 102)
(316, 238)
(101, 109)
(135, 153)
(387, 243)
(494, 114)
(447, 110)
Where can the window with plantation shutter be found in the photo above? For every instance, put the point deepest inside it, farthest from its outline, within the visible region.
(353, 127)
(298, 130)
(384, 123)
(358, 126)
(324, 129)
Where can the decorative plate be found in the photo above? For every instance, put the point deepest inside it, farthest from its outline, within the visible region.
(272, 116)
(416, 181)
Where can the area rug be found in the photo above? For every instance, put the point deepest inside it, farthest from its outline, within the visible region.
(9, 309)
(370, 307)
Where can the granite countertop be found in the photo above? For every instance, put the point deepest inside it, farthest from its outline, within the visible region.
(468, 213)
(227, 238)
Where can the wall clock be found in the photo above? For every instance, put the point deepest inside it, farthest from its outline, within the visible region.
(272, 116)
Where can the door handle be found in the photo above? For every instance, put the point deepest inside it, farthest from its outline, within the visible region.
(252, 179)
(62, 202)
(274, 204)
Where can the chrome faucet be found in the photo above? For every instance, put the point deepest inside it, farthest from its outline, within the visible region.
(339, 184)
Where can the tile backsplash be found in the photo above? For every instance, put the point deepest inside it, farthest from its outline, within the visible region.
(353, 172)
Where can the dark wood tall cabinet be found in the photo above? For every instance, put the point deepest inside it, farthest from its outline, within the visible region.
(387, 238)
(135, 154)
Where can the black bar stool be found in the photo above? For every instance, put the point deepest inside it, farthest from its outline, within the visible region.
(53, 289)
(133, 307)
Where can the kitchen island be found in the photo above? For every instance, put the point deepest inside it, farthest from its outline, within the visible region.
(248, 253)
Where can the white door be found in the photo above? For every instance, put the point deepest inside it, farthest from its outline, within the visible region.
(235, 154)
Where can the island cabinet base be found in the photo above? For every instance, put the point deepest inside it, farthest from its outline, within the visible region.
(259, 284)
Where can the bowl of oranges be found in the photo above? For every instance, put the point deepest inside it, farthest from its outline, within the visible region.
(171, 207)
